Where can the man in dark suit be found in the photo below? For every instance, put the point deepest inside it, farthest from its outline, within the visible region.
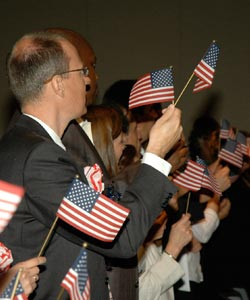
(49, 79)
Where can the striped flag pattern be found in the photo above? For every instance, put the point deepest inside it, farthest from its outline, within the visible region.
(241, 139)
(19, 293)
(208, 181)
(154, 87)
(206, 68)
(10, 197)
(76, 282)
(91, 212)
(191, 178)
(226, 131)
(231, 153)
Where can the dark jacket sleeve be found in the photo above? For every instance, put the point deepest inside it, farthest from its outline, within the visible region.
(48, 173)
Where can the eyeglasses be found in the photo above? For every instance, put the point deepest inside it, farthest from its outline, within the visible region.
(84, 72)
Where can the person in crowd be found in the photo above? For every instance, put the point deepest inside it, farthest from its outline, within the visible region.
(159, 270)
(156, 282)
(49, 79)
(29, 277)
(117, 96)
(203, 143)
(221, 252)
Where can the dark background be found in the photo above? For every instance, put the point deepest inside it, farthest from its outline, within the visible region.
(131, 38)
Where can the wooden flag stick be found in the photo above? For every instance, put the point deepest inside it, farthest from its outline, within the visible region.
(16, 283)
(187, 206)
(60, 294)
(190, 78)
(48, 237)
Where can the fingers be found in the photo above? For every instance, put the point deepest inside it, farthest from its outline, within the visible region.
(31, 262)
(30, 273)
(166, 132)
(185, 219)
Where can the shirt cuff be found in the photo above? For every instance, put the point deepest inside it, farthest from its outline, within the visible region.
(157, 163)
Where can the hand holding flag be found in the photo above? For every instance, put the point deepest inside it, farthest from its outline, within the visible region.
(14, 290)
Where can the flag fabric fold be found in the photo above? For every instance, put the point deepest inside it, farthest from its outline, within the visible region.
(208, 180)
(19, 293)
(206, 68)
(154, 87)
(191, 178)
(10, 197)
(231, 153)
(226, 130)
(241, 139)
(76, 282)
(92, 212)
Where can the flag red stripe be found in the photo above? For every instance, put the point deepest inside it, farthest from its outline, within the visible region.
(158, 91)
(106, 225)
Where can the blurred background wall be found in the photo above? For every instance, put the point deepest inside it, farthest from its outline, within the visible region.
(131, 38)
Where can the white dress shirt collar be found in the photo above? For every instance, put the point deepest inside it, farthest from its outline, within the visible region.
(50, 131)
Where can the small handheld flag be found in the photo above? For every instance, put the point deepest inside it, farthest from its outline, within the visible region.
(231, 153)
(241, 139)
(206, 68)
(226, 130)
(154, 87)
(191, 177)
(91, 212)
(76, 281)
(10, 197)
(208, 181)
(14, 289)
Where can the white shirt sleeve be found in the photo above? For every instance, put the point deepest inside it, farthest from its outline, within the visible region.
(156, 162)
(159, 272)
(204, 229)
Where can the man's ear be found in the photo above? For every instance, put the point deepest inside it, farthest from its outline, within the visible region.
(57, 85)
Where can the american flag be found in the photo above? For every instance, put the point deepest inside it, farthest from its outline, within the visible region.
(154, 87)
(10, 197)
(226, 130)
(191, 177)
(206, 68)
(76, 281)
(231, 153)
(241, 139)
(92, 212)
(19, 293)
(208, 181)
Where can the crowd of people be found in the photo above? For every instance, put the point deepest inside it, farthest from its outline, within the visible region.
(133, 157)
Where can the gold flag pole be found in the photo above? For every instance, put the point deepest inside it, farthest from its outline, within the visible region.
(48, 237)
(187, 206)
(16, 284)
(190, 78)
(60, 294)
